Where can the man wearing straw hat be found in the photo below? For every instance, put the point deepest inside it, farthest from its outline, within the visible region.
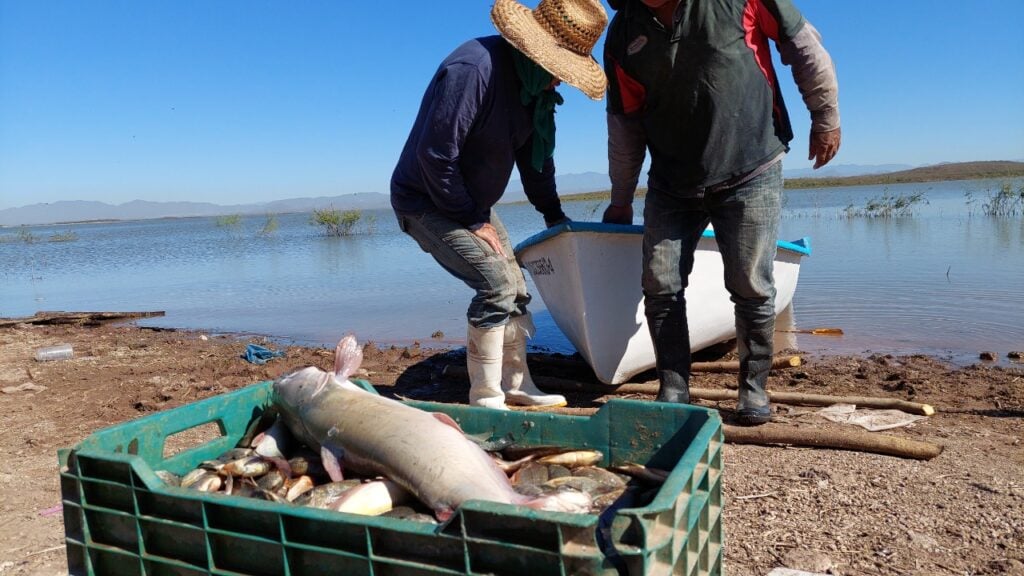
(490, 106)
(693, 82)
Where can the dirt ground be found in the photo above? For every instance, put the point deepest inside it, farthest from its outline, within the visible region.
(819, 510)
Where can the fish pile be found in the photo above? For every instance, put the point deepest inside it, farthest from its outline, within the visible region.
(337, 446)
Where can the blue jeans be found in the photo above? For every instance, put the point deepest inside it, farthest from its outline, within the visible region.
(746, 223)
(498, 281)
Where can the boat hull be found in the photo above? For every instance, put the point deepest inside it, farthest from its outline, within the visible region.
(588, 276)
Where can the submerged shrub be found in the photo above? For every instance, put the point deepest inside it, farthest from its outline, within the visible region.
(68, 236)
(887, 206)
(229, 221)
(1005, 202)
(269, 226)
(336, 222)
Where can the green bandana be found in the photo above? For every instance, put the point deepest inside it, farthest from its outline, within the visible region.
(535, 81)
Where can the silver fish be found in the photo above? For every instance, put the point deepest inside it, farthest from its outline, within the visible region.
(371, 499)
(273, 442)
(247, 467)
(168, 478)
(297, 487)
(202, 480)
(574, 458)
(426, 453)
(324, 495)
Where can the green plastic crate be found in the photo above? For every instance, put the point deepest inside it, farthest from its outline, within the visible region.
(119, 518)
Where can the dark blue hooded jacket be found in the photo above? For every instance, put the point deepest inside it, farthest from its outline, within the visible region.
(470, 131)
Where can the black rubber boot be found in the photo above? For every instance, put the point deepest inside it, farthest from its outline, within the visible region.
(754, 416)
(671, 339)
(674, 388)
(753, 407)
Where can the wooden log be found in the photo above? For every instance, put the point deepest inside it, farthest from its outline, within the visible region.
(771, 434)
(779, 363)
(801, 399)
(44, 317)
(459, 372)
(552, 384)
(779, 434)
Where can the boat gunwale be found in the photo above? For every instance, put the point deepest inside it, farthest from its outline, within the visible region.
(801, 246)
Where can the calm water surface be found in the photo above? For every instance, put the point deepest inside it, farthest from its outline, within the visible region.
(947, 281)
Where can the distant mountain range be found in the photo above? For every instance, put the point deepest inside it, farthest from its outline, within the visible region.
(933, 173)
(90, 211)
(85, 211)
(842, 170)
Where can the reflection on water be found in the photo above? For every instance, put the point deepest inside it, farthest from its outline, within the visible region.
(946, 281)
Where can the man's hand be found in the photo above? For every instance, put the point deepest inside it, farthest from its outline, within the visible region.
(824, 146)
(489, 234)
(618, 214)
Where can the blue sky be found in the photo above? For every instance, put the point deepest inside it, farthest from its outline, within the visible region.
(235, 102)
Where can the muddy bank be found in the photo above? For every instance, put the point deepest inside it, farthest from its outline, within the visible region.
(838, 512)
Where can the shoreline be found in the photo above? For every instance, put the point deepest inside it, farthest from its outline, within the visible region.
(961, 512)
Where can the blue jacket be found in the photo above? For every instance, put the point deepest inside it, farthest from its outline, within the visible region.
(470, 131)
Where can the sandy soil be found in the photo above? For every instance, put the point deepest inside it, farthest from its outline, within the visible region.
(830, 511)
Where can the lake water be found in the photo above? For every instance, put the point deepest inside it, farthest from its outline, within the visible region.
(947, 281)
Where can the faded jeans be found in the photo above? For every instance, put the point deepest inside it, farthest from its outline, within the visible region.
(746, 223)
(498, 281)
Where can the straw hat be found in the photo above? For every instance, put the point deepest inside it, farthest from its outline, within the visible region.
(559, 36)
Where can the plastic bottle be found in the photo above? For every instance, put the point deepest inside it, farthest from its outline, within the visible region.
(59, 352)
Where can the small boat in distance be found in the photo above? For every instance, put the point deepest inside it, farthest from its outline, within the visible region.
(588, 275)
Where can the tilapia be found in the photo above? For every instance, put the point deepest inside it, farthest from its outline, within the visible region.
(424, 452)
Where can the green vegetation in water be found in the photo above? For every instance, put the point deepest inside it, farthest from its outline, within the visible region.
(336, 222)
(231, 221)
(24, 235)
(1003, 203)
(270, 225)
(68, 236)
(887, 206)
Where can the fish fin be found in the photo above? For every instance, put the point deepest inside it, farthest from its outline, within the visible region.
(347, 357)
(332, 461)
(446, 419)
(282, 465)
(443, 514)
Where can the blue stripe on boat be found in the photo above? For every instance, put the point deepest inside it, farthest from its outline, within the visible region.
(801, 246)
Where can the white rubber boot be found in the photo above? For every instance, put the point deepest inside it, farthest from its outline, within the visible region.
(515, 374)
(483, 359)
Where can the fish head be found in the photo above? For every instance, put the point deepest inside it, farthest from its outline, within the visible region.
(295, 389)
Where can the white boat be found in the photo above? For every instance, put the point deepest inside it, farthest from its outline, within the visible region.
(588, 275)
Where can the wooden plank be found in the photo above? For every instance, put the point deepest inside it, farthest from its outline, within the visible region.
(60, 317)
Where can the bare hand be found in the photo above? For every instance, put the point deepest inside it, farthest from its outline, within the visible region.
(489, 234)
(618, 214)
(824, 146)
